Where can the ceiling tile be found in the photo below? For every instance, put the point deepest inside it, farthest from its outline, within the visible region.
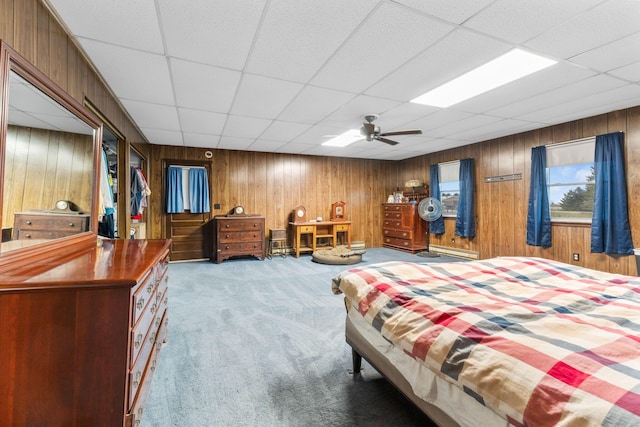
(233, 143)
(501, 98)
(352, 113)
(457, 53)
(200, 140)
(630, 72)
(283, 131)
(263, 97)
(517, 21)
(211, 32)
(303, 36)
(148, 115)
(457, 11)
(204, 87)
(147, 77)
(201, 121)
(132, 24)
(389, 38)
(313, 104)
(245, 127)
(596, 27)
(611, 56)
(163, 137)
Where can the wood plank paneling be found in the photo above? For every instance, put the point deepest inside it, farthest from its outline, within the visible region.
(501, 208)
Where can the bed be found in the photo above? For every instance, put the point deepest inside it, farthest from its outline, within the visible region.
(508, 341)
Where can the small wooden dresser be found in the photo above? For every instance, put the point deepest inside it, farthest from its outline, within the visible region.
(238, 236)
(403, 228)
(47, 225)
(80, 336)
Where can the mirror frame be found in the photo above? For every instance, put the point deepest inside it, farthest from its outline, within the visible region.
(10, 60)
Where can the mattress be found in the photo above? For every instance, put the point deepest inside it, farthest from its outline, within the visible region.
(536, 342)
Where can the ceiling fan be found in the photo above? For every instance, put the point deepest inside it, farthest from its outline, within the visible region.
(371, 131)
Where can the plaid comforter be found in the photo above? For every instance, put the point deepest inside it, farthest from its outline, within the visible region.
(539, 342)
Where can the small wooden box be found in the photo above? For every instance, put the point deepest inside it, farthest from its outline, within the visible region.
(278, 234)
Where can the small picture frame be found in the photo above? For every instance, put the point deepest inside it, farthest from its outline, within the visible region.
(338, 211)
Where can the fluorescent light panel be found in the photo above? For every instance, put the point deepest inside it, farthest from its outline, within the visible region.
(506, 68)
(347, 138)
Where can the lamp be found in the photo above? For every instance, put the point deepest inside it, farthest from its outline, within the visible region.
(413, 184)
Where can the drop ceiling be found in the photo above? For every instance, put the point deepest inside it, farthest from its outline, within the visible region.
(284, 76)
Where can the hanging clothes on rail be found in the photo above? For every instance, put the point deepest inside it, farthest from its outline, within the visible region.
(140, 191)
(106, 223)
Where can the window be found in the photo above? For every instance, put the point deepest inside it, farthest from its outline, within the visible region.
(449, 187)
(571, 180)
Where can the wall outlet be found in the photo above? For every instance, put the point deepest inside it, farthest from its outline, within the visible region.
(216, 206)
(576, 256)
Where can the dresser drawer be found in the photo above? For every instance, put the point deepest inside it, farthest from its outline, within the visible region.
(402, 208)
(48, 226)
(342, 227)
(399, 234)
(140, 332)
(240, 225)
(142, 296)
(240, 236)
(241, 247)
(393, 241)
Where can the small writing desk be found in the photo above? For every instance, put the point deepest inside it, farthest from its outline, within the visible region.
(307, 234)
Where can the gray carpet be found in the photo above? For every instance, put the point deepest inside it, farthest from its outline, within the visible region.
(261, 343)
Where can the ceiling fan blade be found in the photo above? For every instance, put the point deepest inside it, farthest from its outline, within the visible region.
(403, 132)
(386, 141)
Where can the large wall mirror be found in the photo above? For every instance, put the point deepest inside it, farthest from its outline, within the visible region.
(49, 161)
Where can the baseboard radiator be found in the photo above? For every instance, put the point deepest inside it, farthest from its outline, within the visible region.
(455, 252)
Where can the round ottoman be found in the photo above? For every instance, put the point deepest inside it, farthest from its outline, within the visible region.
(340, 255)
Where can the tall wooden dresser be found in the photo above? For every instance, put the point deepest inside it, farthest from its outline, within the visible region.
(238, 236)
(403, 228)
(80, 336)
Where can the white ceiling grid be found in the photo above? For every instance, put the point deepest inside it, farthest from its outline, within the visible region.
(283, 75)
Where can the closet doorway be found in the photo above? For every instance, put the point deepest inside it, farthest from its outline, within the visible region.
(190, 231)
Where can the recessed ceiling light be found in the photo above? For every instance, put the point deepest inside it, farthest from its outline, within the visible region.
(349, 137)
(502, 70)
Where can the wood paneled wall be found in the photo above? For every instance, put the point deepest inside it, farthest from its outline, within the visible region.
(273, 184)
(59, 166)
(501, 207)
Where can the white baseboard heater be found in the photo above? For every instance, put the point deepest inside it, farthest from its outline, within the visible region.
(455, 252)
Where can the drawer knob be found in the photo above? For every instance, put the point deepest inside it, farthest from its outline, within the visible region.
(226, 247)
(227, 225)
(140, 304)
(28, 236)
(71, 224)
(227, 236)
(29, 223)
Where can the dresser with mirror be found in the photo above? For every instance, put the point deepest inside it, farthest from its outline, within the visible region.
(83, 319)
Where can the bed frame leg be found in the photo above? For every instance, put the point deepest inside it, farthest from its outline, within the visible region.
(357, 362)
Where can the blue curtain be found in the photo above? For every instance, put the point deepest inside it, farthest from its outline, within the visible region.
(437, 226)
(198, 190)
(610, 231)
(174, 190)
(538, 214)
(465, 218)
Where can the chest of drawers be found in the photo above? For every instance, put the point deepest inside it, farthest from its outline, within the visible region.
(403, 228)
(45, 225)
(80, 337)
(238, 236)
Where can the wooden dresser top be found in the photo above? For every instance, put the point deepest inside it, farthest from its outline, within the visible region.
(112, 262)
